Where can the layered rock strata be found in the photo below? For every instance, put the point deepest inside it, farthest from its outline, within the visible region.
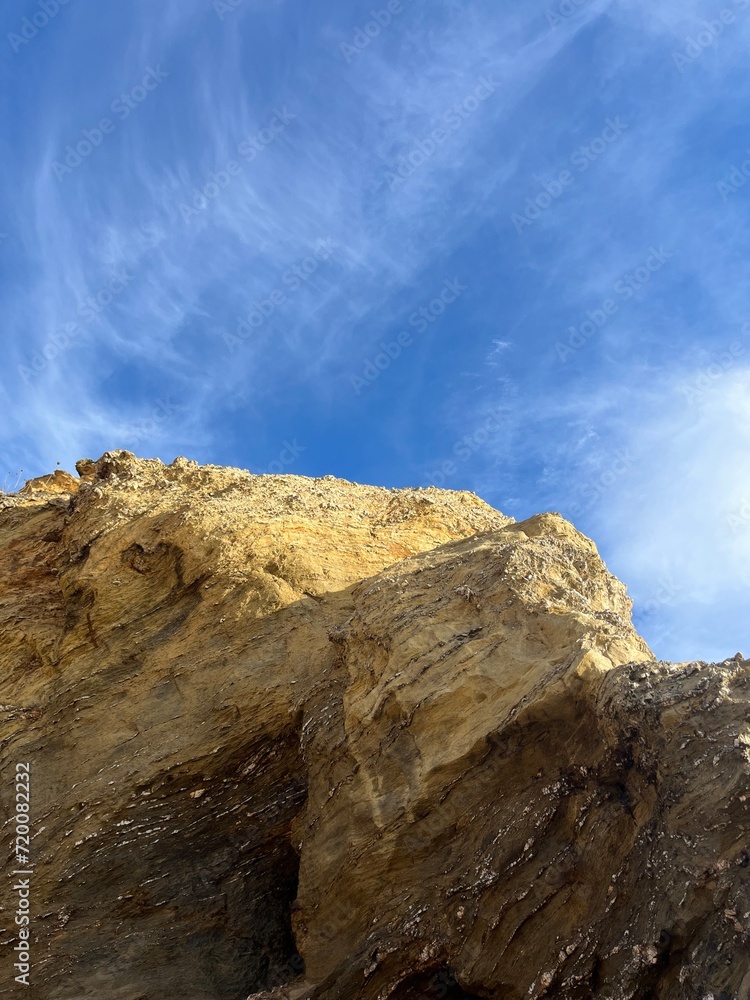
(308, 739)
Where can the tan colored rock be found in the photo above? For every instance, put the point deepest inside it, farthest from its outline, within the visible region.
(58, 482)
(307, 739)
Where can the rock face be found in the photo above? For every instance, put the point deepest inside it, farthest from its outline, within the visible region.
(306, 739)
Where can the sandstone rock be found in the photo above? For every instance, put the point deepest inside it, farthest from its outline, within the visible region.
(307, 739)
(58, 482)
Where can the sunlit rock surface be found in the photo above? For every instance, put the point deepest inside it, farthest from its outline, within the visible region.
(307, 739)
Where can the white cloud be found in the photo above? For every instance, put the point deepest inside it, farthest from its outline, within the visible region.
(667, 514)
(681, 513)
(318, 179)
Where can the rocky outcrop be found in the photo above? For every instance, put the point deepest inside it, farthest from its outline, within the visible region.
(306, 739)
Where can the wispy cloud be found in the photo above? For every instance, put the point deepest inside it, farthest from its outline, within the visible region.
(319, 179)
(410, 157)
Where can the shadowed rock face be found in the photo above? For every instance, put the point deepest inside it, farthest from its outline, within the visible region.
(307, 739)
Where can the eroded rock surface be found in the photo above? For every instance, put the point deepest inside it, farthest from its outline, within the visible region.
(307, 739)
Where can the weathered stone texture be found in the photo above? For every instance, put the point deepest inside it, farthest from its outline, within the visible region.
(308, 739)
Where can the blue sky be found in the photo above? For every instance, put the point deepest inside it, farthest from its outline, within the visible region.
(497, 245)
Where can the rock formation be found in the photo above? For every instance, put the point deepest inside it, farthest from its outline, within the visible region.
(305, 739)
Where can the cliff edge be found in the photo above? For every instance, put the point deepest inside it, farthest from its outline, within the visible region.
(293, 738)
